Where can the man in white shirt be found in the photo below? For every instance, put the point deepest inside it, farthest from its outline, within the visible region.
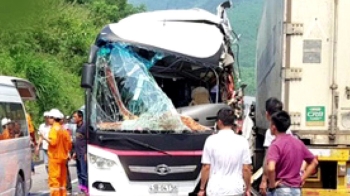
(226, 160)
(269, 138)
(44, 130)
(272, 105)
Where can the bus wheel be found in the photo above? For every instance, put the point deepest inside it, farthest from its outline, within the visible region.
(20, 186)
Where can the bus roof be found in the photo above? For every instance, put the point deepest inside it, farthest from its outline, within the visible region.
(194, 33)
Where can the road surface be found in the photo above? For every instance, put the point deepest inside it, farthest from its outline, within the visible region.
(40, 184)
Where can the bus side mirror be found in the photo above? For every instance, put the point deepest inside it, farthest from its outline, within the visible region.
(87, 76)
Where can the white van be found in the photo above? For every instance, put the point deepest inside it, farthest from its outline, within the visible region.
(15, 151)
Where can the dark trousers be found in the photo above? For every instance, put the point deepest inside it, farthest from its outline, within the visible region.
(69, 181)
(82, 171)
(32, 166)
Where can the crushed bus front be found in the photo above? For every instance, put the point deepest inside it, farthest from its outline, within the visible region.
(154, 83)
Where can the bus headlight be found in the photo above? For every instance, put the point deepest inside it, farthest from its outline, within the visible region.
(101, 163)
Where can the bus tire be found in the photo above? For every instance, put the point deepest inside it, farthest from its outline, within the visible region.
(20, 186)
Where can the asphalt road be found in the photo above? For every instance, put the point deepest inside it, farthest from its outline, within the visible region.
(40, 184)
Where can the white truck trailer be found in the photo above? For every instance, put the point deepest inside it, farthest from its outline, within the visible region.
(303, 58)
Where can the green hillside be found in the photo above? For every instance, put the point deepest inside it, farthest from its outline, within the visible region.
(47, 41)
(245, 18)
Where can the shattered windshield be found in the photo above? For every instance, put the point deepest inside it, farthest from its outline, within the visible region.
(127, 97)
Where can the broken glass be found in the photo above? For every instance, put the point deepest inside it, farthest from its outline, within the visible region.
(127, 97)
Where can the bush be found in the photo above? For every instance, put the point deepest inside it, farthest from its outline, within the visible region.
(49, 47)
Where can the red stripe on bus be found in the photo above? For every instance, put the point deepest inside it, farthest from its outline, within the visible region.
(151, 153)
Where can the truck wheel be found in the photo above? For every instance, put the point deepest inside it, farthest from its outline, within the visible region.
(20, 186)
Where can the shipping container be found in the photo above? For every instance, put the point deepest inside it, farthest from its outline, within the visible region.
(303, 58)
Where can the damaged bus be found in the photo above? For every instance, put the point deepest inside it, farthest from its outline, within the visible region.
(154, 82)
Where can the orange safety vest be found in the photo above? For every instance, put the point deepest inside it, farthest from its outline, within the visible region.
(60, 143)
(5, 135)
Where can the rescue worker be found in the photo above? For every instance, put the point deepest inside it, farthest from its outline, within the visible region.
(5, 132)
(69, 182)
(32, 137)
(59, 146)
(31, 127)
(32, 146)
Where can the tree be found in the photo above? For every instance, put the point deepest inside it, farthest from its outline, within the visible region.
(49, 46)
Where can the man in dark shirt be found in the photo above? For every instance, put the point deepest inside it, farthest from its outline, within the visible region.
(284, 158)
(80, 151)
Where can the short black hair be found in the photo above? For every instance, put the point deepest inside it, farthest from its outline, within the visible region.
(79, 113)
(281, 120)
(227, 116)
(273, 105)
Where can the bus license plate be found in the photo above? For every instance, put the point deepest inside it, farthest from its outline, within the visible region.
(162, 188)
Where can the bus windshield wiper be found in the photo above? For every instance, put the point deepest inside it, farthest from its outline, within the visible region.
(102, 138)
